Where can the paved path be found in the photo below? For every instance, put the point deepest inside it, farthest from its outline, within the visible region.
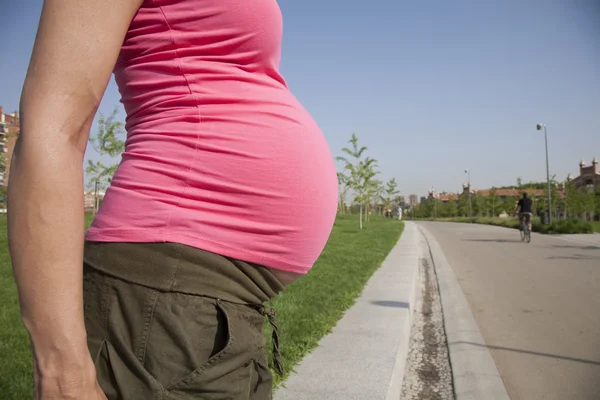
(364, 356)
(537, 306)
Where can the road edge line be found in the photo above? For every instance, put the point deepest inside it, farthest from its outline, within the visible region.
(474, 371)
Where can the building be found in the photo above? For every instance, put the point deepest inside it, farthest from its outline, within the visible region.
(501, 194)
(9, 130)
(413, 200)
(89, 200)
(589, 176)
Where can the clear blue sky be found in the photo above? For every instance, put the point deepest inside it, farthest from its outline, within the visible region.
(431, 87)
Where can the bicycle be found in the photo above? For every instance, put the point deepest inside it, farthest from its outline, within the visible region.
(525, 229)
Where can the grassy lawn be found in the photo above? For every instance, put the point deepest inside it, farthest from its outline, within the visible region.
(306, 311)
(596, 227)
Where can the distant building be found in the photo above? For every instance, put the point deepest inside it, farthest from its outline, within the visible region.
(413, 200)
(589, 176)
(89, 200)
(9, 130)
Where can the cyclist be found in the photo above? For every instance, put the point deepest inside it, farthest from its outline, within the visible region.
(524, 209)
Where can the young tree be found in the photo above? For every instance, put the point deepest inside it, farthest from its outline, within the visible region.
(463, 205)
(510, 202)
(390, 193)
(452, 208)
(493, 203)
(574, 201)
(361, 173)
(478, 203)
(106, 142)
(343, 188)
(597, 202)
(588, 200)
(367, 185)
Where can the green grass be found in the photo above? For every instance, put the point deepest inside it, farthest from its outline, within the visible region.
(560, 226)
(311, 307)
(15, 360)
(307, 310)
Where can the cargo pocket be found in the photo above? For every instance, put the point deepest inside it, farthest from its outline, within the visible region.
(187, 335)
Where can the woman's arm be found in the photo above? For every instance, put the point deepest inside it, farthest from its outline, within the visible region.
(76, 47)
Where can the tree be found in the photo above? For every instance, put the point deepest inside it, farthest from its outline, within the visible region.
(463, 205)
(493, 203)
(574, 201)
(366, 186)
(588, 200)
(478, 204)
(390, 193)
(509, 205)
(452, 209)
(597, 201)
(106, 142)
(361, 174)
(343, 188)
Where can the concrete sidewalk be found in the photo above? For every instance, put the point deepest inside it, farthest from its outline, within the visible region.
(364, 356)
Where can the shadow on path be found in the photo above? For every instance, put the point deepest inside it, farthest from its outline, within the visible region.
(590, 247)
(535, 353)
(574, 257)
(386, 303)
(493, 240)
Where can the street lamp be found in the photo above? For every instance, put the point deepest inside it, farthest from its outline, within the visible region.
(539, 128)
(468, 172)
(434, 201)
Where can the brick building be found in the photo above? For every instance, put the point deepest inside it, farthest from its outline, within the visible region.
(9, 130)
(502, 194)
(589, 176)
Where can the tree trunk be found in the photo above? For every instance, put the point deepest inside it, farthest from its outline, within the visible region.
(96, 199)
(361, 216)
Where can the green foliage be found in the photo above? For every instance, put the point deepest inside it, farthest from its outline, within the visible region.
(597, 201)
(492, 204)
(529, 185)
(107, 142)
(478, 204)
(509, 205)
(463, 206)
(390, 193)
(361, 174)
(451, 208)
(343, 188)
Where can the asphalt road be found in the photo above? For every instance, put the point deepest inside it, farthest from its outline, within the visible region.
(537, 306)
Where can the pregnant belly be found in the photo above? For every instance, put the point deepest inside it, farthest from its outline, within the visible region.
(261, 194)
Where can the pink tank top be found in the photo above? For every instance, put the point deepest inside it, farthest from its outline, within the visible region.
(219, 154)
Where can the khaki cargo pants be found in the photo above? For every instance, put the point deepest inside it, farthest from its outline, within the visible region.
(167, 321)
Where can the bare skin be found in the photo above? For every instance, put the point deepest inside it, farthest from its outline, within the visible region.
(285, 277)
(76, 47)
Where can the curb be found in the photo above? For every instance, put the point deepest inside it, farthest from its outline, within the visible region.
(365, 354)
(474, 372)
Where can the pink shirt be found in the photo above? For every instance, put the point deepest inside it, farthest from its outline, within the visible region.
(219, 154)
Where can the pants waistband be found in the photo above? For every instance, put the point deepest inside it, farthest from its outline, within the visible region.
(174, 267)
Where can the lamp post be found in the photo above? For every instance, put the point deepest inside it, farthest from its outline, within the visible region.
(468, 172)
(435, 204)
(539, 128)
